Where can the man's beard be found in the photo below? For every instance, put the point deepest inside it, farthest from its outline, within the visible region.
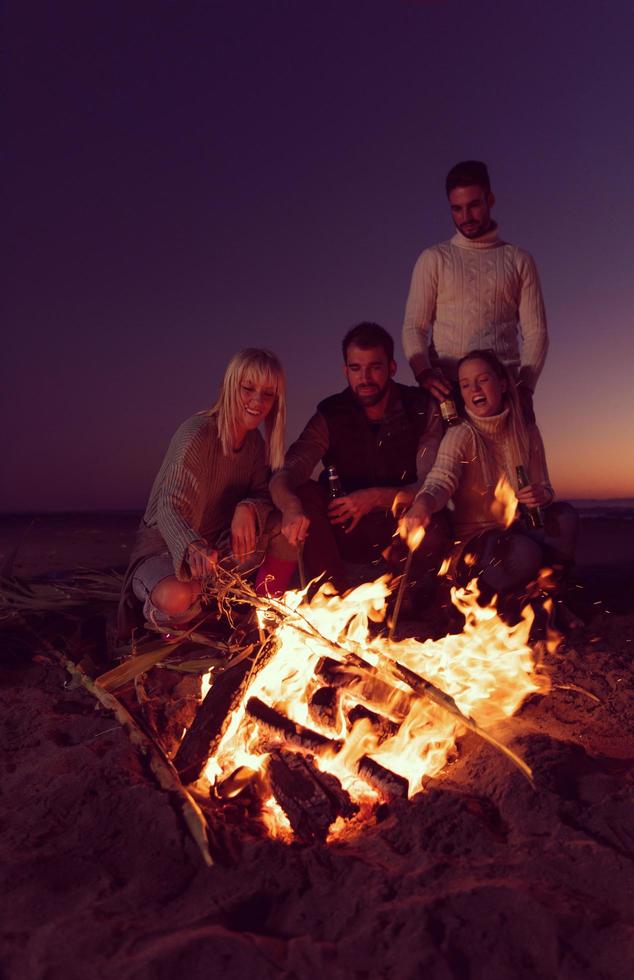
(371, 397)
(481, 230)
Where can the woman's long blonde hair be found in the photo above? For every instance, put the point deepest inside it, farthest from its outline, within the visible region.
(253, 364)
(518, 434)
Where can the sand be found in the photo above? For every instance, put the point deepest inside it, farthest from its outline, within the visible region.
(478, 877)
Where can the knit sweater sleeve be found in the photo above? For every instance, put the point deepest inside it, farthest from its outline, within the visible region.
(180, 490)
(420, 311)
(455, 450)
(532, 321)
(307, 450)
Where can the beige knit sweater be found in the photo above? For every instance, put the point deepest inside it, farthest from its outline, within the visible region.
(476, 294)
(457, 472)
(197, 488)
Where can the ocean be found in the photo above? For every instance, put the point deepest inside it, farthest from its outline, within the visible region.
(620, 509)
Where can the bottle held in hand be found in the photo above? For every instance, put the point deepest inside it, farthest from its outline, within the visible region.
(334, 484)
(448, 412)
(335, 490)
(532, 516)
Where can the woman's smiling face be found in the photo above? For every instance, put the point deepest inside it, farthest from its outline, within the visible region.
(481, 389)
(256, 399)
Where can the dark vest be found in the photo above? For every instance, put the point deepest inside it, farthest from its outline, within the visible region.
(382, 455)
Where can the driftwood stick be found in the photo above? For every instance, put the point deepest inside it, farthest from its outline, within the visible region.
(422, 686)
(163, 770)
(401, 592)
(301, 568)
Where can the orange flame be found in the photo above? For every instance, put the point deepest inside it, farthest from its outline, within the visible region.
(505, 505)
(488, 670)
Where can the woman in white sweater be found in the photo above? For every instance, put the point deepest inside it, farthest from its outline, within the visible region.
(488, 445)
(210, 500)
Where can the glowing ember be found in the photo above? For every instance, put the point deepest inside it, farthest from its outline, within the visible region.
(369, 725)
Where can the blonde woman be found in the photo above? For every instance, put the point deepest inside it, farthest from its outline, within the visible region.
(210, 501)
(492, 441)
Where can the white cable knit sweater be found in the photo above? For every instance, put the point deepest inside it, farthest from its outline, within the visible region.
(469, 294)
(457, 472)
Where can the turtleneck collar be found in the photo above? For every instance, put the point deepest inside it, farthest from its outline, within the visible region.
(491, 426)
(490, 239)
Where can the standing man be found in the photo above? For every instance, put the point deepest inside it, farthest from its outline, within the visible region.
(382, 437)
(474, 291)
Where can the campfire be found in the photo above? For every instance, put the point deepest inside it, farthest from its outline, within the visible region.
(333, 717)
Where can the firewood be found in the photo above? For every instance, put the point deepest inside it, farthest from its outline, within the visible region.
(210, 722)
(367, 687)
(383, 727)
(388, 783)
(290, 731)
(323, 706)
(312, 800)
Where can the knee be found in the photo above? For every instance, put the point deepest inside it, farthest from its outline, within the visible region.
(514, 561)
(173, 597)
(566, 517)
(525, 558)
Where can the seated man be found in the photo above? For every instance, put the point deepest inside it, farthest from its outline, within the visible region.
(382, 437)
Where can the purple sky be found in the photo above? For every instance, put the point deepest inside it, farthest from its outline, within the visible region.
(189, 178)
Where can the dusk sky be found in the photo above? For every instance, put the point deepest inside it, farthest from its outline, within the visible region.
(184, 179)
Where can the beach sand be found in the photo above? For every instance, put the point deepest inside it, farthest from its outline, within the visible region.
(479, 877)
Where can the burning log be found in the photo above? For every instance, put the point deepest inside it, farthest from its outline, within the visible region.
(334, 672)
(312, 800)
(383, 727)
(210, 722)
(235, 784)
(388, 783)
(323, 706)
(290, 731)
(367, 686)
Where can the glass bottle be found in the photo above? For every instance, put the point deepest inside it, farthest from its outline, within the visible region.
(334, 484)
(533, 516)
(448, 412)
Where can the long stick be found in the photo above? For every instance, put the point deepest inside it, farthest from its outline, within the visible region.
(300, 564)
(162, 768)
(401, 593)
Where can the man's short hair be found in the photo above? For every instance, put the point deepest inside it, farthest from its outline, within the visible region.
(466, 174)
(366, 335)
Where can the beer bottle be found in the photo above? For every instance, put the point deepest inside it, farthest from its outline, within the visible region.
(448, 412)
(532, 515)
(336, 490)
(334, 484)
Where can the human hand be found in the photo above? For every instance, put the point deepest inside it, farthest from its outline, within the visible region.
(202, 559)
(416, 518)
(295, 524)
(349, 510)
(534, 495)
(402, 502)
(243, 531)
(435, 382)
